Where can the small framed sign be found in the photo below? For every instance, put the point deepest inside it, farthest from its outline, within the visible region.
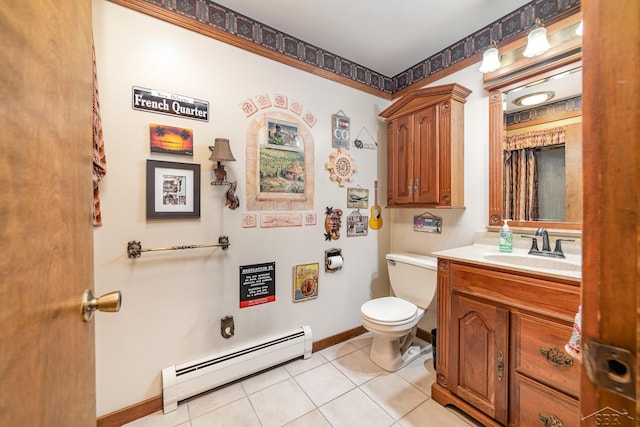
(340, 131)
(427, 223)
(305, 282)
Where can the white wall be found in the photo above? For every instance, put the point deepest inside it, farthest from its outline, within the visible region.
(173, 301)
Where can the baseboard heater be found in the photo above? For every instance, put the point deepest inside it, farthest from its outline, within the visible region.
(180, 382)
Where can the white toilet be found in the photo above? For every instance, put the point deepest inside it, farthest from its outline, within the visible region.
(393, 320)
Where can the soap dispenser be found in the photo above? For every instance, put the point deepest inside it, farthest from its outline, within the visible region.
(506, 238)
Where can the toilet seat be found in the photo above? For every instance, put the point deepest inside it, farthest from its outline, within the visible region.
(389, 311)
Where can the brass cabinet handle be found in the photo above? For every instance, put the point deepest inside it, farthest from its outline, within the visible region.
(416, 187)
(556, 357)
(500, 366)
(410, 188)
(550, 420)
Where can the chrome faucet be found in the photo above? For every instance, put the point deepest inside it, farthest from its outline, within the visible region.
(546, 246)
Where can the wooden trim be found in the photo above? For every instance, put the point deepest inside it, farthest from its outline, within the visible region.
(131, 413)
(611, 184)
(337, 339)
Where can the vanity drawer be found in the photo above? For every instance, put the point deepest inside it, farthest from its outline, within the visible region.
(539, 353)
(556, 298)
(538, 405)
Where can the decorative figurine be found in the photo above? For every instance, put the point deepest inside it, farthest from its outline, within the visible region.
(332, 223)
(232, 200)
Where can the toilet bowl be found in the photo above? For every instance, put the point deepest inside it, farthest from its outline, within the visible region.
(393, 320)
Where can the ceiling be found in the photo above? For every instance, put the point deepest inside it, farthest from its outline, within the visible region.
(387, 36)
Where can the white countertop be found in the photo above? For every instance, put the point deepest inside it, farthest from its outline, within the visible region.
(519, 260)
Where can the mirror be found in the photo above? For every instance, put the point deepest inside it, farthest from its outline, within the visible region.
(535, 150)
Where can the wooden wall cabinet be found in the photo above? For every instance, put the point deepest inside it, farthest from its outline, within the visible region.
(425, 143)
(500, 353)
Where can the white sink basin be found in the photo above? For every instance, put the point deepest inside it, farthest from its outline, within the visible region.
(533, 261)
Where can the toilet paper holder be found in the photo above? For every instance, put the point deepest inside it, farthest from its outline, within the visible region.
(330, 254)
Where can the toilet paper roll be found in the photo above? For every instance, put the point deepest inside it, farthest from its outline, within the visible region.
(335, 262)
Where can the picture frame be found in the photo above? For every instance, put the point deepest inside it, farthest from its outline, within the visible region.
(170, 140)
(305, 281)
(283, 135)
(427, 223)
(173, 190)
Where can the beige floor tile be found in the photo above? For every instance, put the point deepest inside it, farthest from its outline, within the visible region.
(358, 367)
(355, 409)
(215, 399)
(432, 414)
(394, 394)
(265, 379)
(281, 403)
(338, 350)
(236, 414)
(420, 373)
(312, 419)
(324, 383)
(299, 366)
(159, 419)
(362, 341)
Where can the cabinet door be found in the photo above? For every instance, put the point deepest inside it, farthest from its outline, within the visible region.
(479, 355)
(426, 160)
(400, 162)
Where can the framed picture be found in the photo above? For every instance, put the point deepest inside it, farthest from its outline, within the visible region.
(305, 282)
(283, 135)
(173, 190)
(357, 198)
(427, 223)
(170, 140)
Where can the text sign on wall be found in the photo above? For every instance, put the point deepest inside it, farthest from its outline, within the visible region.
(257, 284)
(157, 101)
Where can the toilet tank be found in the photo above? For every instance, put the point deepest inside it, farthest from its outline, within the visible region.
(413, 277)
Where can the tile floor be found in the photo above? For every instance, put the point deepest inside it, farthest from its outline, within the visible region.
(338, 386)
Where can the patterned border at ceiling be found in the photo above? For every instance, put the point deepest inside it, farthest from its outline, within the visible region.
(316, 60)
(547, 111)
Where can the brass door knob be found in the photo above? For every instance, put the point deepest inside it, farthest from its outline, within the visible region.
(110, 302)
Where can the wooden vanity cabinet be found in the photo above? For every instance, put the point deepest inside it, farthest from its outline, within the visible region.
(500, 353)
(425, 147)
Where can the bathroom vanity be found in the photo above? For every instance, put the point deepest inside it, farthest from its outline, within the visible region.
(503, 321)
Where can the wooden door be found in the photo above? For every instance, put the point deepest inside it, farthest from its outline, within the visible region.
(47, 367)
(479, 356)
(400, 135)
(611, 238)
(426, 160)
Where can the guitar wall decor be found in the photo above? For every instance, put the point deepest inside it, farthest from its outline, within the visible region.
(375, 221)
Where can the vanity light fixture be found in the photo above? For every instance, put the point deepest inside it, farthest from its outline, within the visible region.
(537, 41)
(221, 152)
(534, 98)
(490, 58)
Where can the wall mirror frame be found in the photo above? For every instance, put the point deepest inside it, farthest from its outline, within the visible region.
(517, 71)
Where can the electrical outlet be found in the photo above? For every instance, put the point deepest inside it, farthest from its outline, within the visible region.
(227, 327)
